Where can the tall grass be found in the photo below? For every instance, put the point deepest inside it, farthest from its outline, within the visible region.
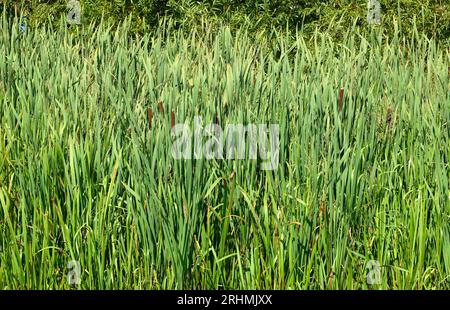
(82, 177)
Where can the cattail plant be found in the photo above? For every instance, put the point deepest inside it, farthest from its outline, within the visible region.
(88, 178)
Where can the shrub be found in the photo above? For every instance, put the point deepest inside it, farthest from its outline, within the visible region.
(431, 17)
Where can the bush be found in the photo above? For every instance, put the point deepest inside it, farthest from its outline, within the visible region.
(432, 17)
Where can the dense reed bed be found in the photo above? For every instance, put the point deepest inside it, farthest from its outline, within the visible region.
(363, 172)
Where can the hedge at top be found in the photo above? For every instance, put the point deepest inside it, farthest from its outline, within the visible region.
(432, 17)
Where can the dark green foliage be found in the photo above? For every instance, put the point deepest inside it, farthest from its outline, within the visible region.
(432, 17)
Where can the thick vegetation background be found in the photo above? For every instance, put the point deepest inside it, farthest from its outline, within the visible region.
(431, 16)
